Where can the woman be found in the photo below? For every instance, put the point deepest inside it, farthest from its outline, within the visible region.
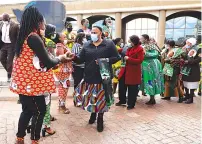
(50, 35)
(152, 81)
(134, 57)
(70, 36)
(63, 73)
(90, 93)
(78, 68)
(191, 70)
(116, 67)
(50, 46)
(172, 63)
(32, 82)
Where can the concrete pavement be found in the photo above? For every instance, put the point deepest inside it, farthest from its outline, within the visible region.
(165, 123)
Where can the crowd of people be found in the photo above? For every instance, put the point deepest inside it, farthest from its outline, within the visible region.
(98, 65)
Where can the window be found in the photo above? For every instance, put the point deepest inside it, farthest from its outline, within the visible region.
(182, 28)
(142, 26)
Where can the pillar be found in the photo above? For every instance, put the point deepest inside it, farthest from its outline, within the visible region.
(118, 25)
(161, 28)
(79, 18)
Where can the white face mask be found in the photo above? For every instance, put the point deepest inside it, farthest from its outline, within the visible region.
(129, 45)
(84, 40)
(6, 22)
(65, 42)
(122, 45)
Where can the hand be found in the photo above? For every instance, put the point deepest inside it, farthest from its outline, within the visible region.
(96, 62)
(69, 55)
(64, 59)
(126, 58)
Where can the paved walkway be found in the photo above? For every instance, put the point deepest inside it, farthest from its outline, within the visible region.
(166, 122)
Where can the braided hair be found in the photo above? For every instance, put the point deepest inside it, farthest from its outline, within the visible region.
(31, 18)
(50, 30)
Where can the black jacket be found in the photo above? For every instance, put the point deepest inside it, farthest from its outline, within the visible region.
(193, 63)
(90, 53)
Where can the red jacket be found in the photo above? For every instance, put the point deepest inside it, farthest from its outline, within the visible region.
(132, 70)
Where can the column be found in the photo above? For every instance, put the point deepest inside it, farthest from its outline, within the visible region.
(161, 28)
(118, 25)
(79, 18)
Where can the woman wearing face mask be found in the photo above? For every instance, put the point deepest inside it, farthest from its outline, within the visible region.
(70, 36)
(63, 73)
(116, 67)
(32, 82)
(90, 92)
(191, 69)
(78, 68)
(172, 63)
(85, 28)
(130, 74)
(152, 81)
(50, 35)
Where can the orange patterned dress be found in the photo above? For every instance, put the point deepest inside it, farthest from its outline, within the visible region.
(26, 79)
(63, 74)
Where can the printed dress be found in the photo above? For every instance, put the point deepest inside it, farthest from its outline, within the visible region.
(152, 81)
(63, 75)
(29, 79)
(91, 97)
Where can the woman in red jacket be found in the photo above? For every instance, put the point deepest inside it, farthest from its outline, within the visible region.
(130, 74)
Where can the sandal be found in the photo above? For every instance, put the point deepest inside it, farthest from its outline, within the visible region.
(19, 141)
(35, 142)
(48, 131)
(64, 110)
(52, 118)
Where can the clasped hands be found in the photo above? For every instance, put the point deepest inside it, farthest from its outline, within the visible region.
(68, 56)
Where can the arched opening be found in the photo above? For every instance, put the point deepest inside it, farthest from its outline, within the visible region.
(138, 24)
(182, 25)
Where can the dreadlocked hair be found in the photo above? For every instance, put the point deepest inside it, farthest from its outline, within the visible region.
(31, 18)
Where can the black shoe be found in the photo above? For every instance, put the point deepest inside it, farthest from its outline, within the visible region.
(120, 104)
(189, 101)
(180, 100)
(92, 118)
(130, 107)
(100, 126)
(199, 93)
(166, 98)
(29, 129)
(151, 102)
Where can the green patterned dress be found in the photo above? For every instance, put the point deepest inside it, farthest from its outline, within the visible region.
(152, 74)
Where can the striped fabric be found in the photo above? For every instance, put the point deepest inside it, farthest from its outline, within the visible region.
(76, 50)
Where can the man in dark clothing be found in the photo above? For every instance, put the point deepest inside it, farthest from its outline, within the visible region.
(8, 35)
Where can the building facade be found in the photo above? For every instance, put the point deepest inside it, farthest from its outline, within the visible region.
(160, 19)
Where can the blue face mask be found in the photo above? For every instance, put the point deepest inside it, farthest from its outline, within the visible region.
(187, 46)
(87, 25)
(94, 37)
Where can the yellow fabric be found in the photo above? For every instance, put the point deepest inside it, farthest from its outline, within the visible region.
(69, 35)
(116, 66)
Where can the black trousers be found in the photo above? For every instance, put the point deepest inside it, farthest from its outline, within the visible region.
(132, 92)
(78, 75)
(7, 54)
(32, 107)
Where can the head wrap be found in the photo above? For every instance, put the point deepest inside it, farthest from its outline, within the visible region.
(192, 41)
